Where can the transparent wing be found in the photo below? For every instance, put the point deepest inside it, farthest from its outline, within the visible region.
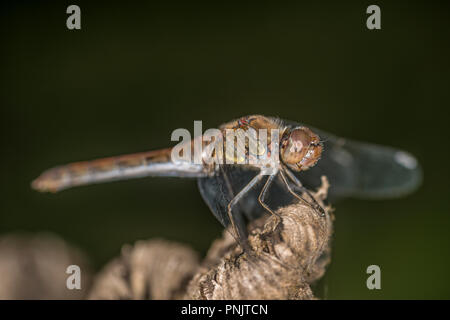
(354, 169)
(217, 191)
(362, 170)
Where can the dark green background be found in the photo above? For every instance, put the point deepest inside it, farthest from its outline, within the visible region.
(135, 72)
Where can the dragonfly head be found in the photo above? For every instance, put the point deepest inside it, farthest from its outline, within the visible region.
(300, 148)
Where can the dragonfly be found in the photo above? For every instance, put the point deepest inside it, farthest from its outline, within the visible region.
(238, 193)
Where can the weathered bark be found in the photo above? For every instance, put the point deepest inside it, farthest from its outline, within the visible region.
(287, 256)
(154, 269)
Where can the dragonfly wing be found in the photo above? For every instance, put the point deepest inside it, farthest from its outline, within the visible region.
(218, 190)
(363, 170)
(216, 196)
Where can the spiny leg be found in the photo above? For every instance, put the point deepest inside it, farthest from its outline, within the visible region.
(262, 195)
(236, 199)
(300, 186)
(314, 205)
(236, 234)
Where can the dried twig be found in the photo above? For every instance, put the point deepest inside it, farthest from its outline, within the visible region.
(154, 269)
(287, 256)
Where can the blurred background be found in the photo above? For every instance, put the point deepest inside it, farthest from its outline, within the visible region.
(137, 71)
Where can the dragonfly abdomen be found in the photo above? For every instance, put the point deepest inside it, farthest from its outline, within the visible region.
(153, 163)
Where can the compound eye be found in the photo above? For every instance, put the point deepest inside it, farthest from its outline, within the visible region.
(299, 139)
(296, 146)
(301, 149)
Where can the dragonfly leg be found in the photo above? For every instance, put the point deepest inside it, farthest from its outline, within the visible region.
(262, 195)
(315, 205)
(238, 197)
(300, 186)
